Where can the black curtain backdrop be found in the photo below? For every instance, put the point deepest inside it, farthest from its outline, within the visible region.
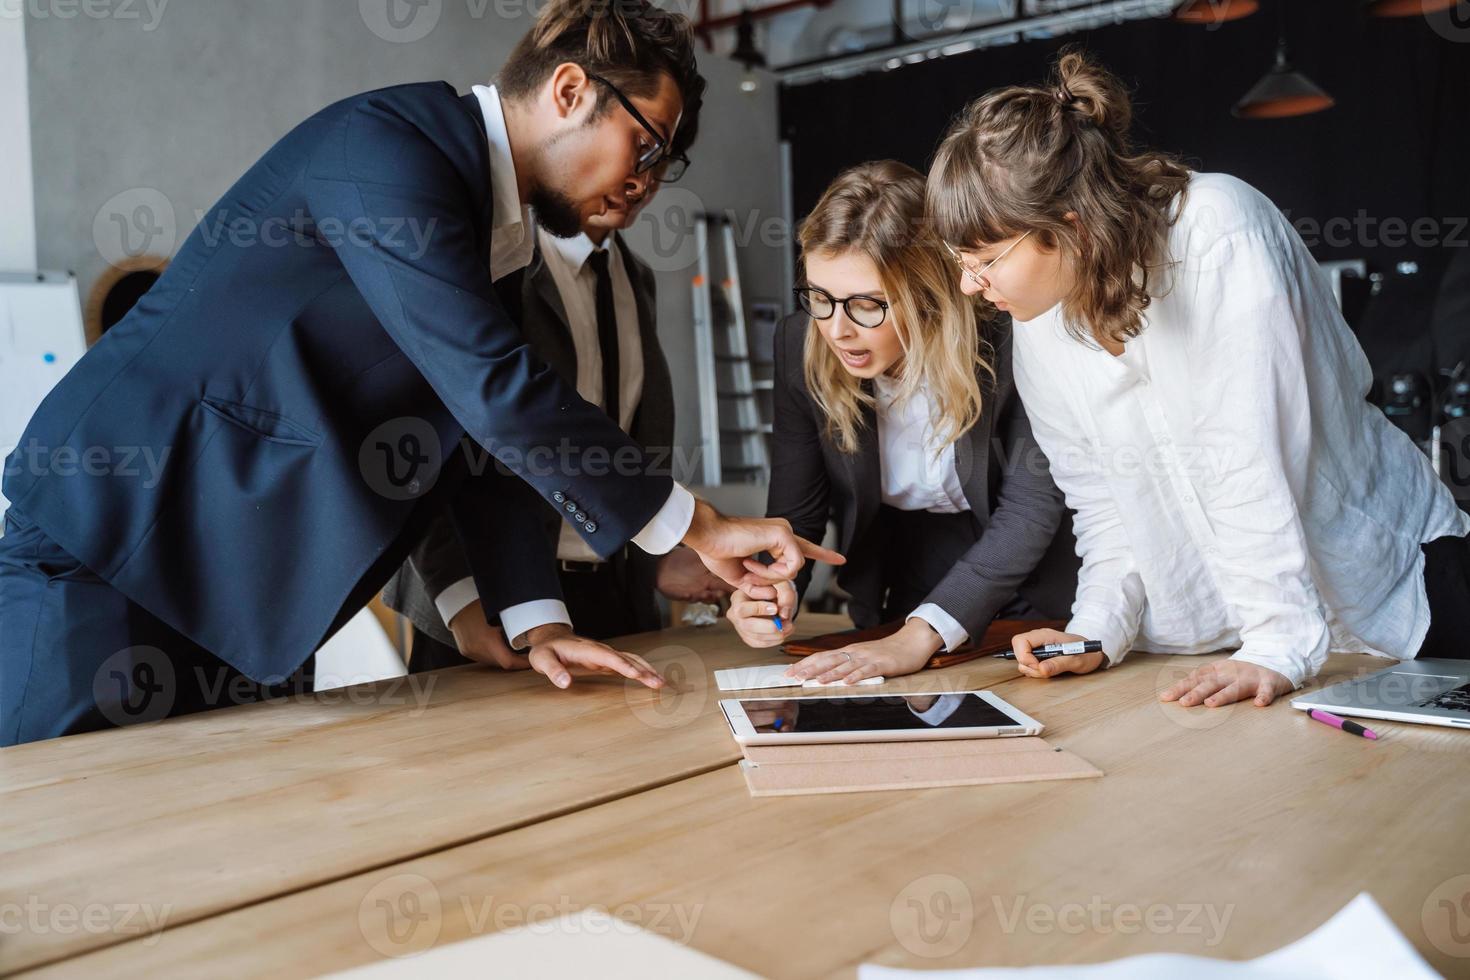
(1395, 148)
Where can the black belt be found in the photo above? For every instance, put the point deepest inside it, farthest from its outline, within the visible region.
(581, 567)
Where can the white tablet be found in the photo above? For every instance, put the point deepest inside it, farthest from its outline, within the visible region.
(883, 718)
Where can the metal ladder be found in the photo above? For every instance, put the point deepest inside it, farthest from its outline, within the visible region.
(725, 311)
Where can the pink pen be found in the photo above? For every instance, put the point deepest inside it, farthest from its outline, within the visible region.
(1351, 727)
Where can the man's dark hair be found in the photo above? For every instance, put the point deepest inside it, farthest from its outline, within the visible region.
(628, 42)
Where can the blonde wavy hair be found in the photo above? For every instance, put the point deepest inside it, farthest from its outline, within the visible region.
(877, 210)
(1020, 159)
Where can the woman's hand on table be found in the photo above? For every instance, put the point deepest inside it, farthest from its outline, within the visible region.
(904, 652)
(1227, 681)
(1023, 643)
(753, 611)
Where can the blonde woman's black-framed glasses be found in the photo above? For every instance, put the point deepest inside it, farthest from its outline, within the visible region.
(865, 311)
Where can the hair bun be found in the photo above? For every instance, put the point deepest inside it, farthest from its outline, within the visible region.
(1088, 90)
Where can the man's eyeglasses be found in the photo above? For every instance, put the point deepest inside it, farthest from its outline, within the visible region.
(978, 278)
(865, 311)
(666, 167)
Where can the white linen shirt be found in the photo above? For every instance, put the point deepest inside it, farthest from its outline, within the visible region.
(1233, 486)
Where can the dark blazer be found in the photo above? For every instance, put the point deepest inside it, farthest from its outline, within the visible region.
(308, 365)
(439, 560)
(1025, 545)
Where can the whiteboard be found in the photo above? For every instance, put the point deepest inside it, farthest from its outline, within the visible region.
(41, 337)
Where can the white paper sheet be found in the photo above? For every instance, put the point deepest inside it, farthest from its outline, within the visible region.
(590, 943)
(762, 676)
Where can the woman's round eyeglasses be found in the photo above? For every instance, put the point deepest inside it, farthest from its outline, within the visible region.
(865, 311)
(978, 277)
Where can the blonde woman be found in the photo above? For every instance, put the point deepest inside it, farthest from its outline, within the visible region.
(895, 416)
(1202, 402)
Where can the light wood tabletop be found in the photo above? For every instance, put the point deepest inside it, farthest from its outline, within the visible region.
(165, 823)
(1225, 833)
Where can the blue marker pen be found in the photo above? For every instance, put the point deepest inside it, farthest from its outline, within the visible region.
(779, 626)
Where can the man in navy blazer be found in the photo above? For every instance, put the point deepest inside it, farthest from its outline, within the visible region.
(306, 369)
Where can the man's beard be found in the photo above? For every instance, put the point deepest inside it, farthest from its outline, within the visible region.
(555, 212)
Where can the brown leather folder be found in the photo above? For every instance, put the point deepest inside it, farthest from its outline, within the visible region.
(997, 639)
(855, 767)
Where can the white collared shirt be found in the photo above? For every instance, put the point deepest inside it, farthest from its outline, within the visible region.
(576, 282)
(511, 248)
(511, 244)
(1233, 486)
(917, 474)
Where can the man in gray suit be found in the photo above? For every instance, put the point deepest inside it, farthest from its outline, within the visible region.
(588, 309)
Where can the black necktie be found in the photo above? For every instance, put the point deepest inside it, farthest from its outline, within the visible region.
(607, 333)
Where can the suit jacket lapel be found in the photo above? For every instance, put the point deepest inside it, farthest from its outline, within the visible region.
(545, 324)
(471, 104)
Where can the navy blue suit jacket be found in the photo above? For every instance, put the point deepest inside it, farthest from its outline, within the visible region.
(309, 363)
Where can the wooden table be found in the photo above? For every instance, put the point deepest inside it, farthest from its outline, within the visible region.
(1224, 833)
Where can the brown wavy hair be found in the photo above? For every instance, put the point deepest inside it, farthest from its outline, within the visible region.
(1020, 159)
(628, 42)
(877, 210)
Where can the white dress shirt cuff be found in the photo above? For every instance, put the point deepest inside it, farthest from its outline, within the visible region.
(451, 601)
(1284, 664)
(1116, 639)
(521, 619)
(940, 710)
(517, 621)
(669, 525)
(950, 631)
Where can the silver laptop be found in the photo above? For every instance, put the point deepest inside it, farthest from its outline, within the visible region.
(1428, 692)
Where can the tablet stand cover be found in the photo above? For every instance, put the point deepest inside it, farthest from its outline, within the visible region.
(854, 767)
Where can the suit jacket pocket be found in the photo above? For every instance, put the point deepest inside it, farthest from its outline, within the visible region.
(259, 422)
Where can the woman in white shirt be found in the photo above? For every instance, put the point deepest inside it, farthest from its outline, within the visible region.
(889, 420)
(1202, 401)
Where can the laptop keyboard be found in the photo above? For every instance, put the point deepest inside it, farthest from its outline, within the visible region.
(1455, 699)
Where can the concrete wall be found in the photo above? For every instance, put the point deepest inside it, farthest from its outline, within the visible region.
(17, 189)
(144, 111)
